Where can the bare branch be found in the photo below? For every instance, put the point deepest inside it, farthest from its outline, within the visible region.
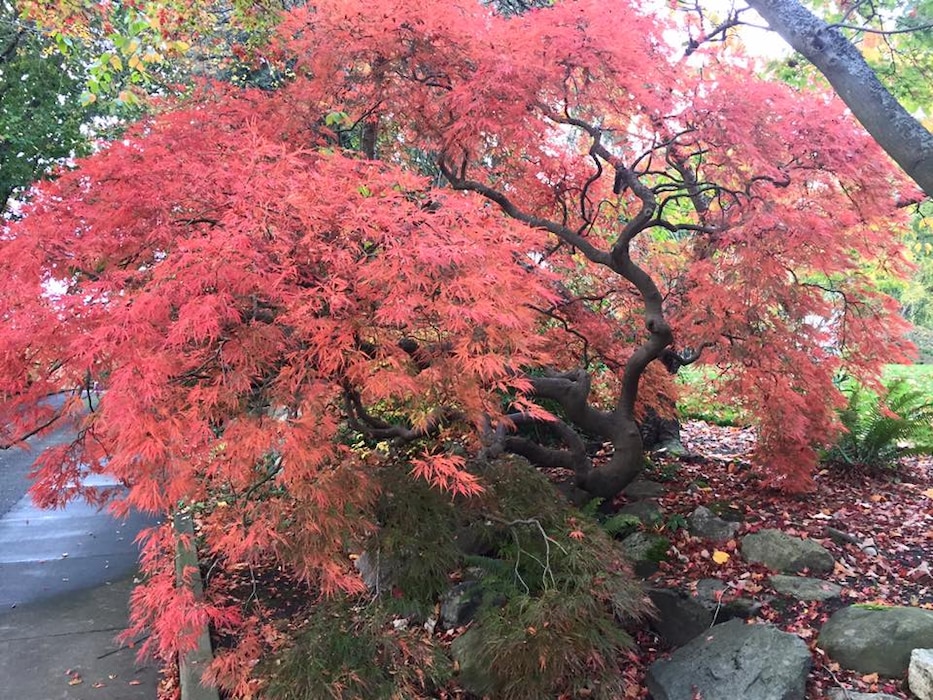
(459, 182)
(883, 32)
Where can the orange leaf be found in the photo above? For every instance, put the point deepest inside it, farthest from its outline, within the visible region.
(720, 557)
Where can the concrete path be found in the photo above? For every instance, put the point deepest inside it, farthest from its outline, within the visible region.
(65, 580)
(63, 648)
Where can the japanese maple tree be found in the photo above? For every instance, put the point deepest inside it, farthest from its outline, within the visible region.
(447, 228)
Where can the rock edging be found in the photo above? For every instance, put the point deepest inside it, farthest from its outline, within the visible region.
(192, 664)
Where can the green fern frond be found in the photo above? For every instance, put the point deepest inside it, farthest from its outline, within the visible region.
(880, 431)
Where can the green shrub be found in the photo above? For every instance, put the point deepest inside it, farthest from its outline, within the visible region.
(415, 541)
(347, 652)
(621, 525)
(556, 591)
(542, 647)
(880, 431)
(566, 590)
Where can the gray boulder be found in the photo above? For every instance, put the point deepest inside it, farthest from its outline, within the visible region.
(461, 603)
(734, 660)
(787, 554)
(681, 616)
(704, 523)
(648, 511)
(645, 551)
(843, 694)
(643, 488)
(841, 536)
(803, 588)
(920, 673)
(377, 572)
(719, 600)
(877, 640)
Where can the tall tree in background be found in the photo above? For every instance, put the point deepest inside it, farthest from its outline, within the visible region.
(895, 40)
(40, 113)
(855, 80)
(522, 227)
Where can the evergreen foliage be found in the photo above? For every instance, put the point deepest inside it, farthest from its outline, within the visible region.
(881, 430)
(556, 597)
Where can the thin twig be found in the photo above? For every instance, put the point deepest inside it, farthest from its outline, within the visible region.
(883, 32)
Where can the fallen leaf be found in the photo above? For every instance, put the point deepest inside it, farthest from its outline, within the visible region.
(720, 557)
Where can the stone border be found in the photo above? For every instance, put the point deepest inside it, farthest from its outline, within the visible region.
(190, 665)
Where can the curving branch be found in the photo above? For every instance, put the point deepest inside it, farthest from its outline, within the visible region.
(458, 181)
(571, 390)
(362, 421)
(573, 456)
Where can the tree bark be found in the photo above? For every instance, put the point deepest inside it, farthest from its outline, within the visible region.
(895, 130)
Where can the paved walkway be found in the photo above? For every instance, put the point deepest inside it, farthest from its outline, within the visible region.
(65, 580)
(63, 648)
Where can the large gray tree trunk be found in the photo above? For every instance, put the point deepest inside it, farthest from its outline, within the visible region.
(895, 130)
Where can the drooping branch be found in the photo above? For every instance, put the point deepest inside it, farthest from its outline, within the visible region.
(32, 432)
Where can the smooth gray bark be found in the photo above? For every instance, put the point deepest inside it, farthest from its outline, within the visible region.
(895, 130)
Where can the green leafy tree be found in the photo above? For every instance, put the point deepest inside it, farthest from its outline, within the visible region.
(40, 114)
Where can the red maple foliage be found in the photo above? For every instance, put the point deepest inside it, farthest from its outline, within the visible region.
(444, 221)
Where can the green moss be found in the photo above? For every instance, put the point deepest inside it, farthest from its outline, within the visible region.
(657, 552)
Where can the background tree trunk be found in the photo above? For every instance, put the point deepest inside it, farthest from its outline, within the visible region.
(896, 131)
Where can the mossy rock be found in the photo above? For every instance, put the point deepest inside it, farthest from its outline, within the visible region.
(646, 551)
(727, 511)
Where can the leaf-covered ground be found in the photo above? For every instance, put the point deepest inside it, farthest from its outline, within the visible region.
(888, 516)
